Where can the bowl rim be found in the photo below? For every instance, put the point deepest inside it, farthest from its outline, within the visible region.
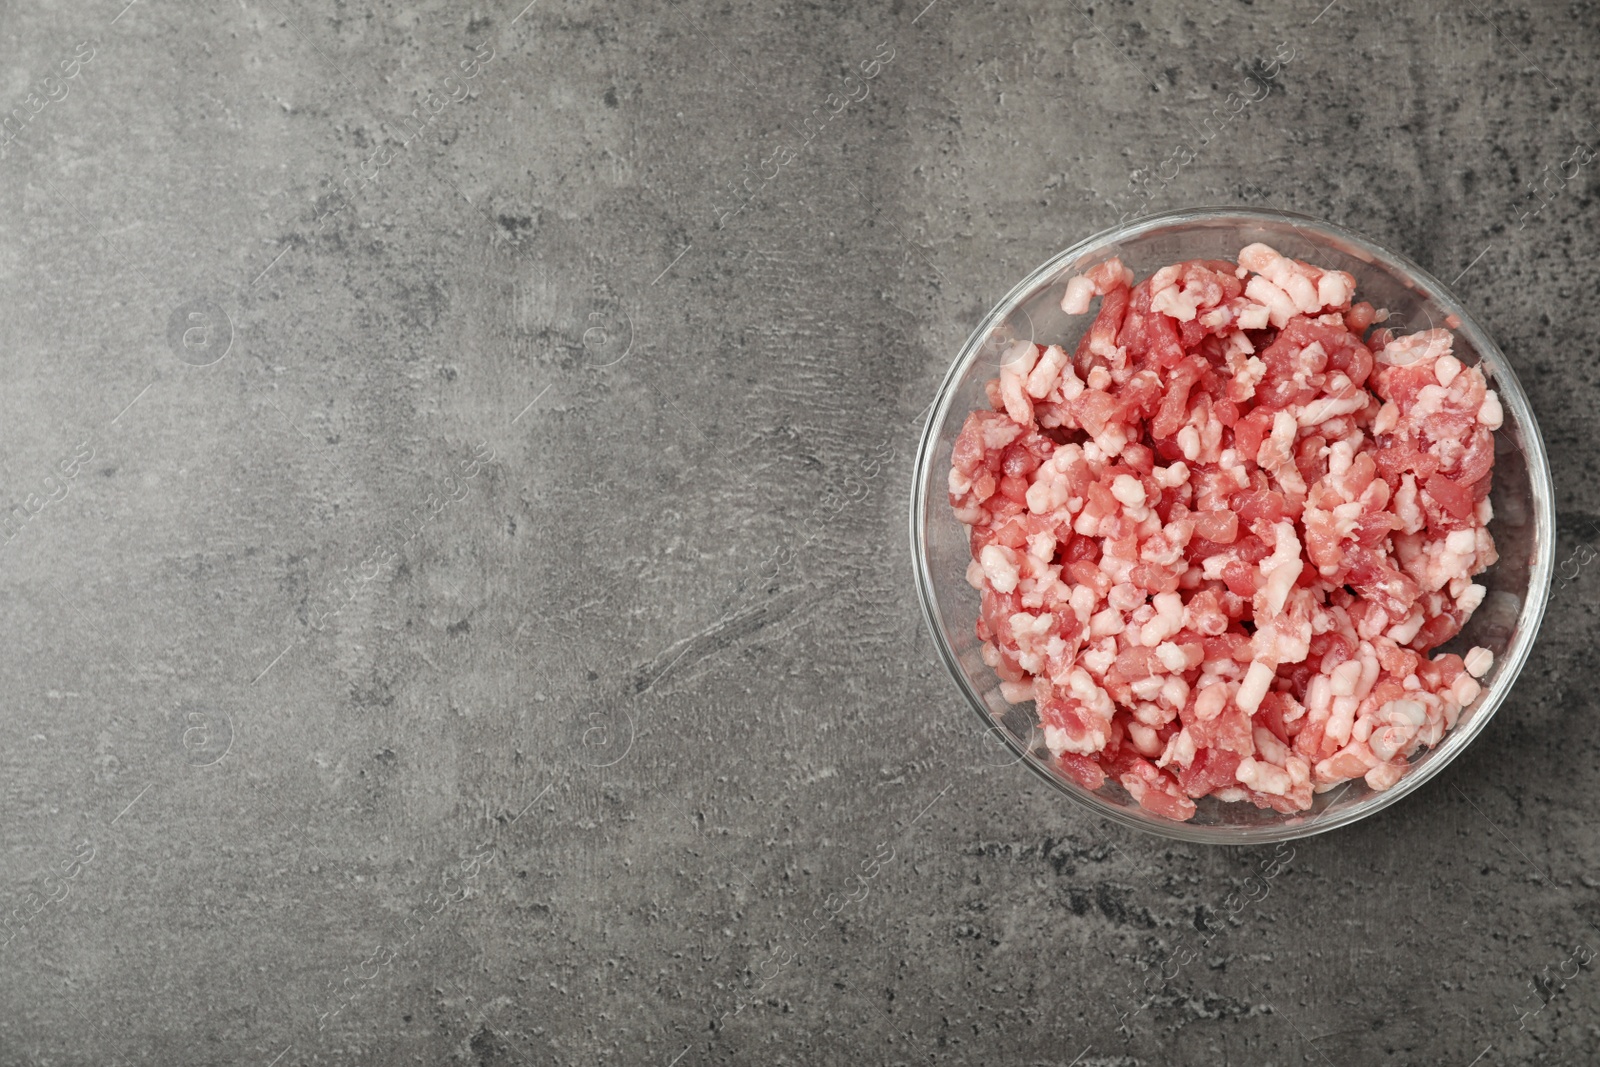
(1511, 396)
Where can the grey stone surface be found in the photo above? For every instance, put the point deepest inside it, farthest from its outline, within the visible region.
(478, 628)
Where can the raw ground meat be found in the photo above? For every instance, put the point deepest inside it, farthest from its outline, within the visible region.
(1218, 541)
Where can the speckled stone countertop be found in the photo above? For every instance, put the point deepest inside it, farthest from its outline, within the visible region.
(458, 605)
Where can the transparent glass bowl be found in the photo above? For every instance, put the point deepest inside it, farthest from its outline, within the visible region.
(1523, 525)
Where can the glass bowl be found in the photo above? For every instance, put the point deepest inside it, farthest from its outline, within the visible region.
(1523, 526)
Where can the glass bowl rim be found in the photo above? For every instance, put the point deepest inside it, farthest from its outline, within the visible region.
(1511, 396)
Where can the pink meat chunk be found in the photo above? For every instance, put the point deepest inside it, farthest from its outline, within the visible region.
(1218, 542)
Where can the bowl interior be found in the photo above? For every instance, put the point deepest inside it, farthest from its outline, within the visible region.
(1523, 523)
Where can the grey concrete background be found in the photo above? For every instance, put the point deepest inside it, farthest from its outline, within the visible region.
(502, 649)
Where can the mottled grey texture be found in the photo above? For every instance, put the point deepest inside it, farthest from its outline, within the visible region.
(659, 667)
